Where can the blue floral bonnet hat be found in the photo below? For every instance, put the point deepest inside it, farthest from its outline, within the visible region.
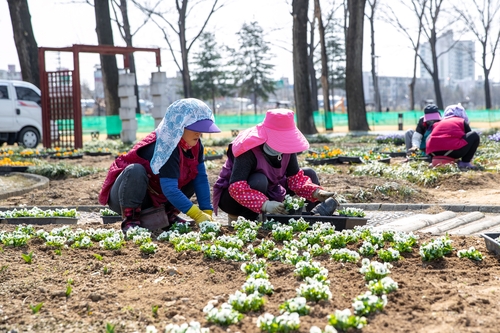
(190, 113)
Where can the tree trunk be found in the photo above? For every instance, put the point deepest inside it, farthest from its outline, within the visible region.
(128, 41)
(376, 92)
(324, 67)
(435, 71)
(411, 87)
(213, 100)
(255, 103)
(413, 81)
(487, 95)
(108, 62)
(356, 110)
(312, 70)
(305, 121)
(486, 72)
(186, 78)
(27, 48)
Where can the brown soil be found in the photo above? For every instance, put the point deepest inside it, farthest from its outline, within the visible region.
(473, 187)
(448, 295)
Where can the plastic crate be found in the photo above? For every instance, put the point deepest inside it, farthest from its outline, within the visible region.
(491, 244)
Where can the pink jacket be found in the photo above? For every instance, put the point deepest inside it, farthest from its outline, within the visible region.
(448, 134)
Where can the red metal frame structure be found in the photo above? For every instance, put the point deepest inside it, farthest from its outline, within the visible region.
(61, 100)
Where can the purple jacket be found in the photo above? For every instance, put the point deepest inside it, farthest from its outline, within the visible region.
(276, 176)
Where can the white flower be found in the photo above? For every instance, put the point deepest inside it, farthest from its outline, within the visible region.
(358, 306)
(151, 329)
(315, 329)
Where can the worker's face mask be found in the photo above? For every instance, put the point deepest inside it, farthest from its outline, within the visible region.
(271, 152)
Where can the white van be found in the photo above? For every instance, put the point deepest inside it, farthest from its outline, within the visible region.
(20, 113)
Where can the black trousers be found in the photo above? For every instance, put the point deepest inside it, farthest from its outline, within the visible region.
(130, 190)
(259, 182)
(466, 153)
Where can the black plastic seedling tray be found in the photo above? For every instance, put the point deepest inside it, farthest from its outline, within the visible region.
(350, 159)
(213, 157)
(108, 219)
(8, 169)
(397, 154)
(333, 160)
(340, 222)
(40, 220)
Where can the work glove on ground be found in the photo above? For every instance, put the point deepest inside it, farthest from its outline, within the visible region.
(274, 207)
(322, 195)
(198, 215)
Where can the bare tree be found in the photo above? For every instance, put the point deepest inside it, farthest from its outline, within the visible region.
(432, 9)
(479, 17)
(371, 18)
(26, 46)
(324, 66)
(120, 10)
(108, 62)
(305, 121)
(354, 67)
(394, 19)
(178, 26)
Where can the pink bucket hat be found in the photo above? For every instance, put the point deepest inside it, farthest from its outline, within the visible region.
(278, 130)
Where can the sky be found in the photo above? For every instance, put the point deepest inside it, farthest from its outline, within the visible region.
(60, 23)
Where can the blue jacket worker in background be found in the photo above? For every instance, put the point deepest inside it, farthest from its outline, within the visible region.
(415, 140)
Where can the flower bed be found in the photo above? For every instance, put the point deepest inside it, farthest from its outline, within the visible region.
(71, 155)
(392, 150)
(357, 156)
(395, 139)
(108, 216)
(324, 155)
(98, 151)
(211, 154)
(8, 165)
(82, 271)
(340, 222)
(36, 215)
(33, 153)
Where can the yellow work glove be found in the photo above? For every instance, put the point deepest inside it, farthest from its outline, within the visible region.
(198, 215)
(208, 212)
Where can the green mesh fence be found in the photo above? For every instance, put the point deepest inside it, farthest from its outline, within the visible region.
(111, 125)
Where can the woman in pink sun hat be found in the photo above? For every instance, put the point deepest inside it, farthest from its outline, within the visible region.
(262, 168)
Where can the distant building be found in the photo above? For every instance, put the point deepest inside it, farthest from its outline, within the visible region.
(456, 61)
(10, 73)
(393, 91)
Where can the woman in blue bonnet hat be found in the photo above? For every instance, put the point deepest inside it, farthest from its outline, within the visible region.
(165, 168)
(452, 137)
